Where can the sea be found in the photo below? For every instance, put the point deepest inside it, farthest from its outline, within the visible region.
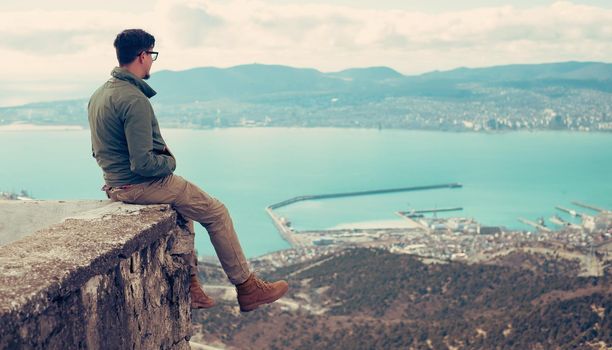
(504, 175)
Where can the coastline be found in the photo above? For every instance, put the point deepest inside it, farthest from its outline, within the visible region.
(340, 159)
(374, 224)
(35, 127)
(19, 126)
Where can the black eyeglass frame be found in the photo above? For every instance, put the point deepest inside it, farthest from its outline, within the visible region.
(153, 54)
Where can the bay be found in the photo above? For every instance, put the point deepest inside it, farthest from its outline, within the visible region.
(505, 175)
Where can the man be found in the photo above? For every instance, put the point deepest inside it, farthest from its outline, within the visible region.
(138, 167)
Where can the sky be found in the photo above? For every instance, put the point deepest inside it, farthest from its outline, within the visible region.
(63, 49)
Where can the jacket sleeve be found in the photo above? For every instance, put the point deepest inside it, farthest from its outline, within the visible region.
(144, 160)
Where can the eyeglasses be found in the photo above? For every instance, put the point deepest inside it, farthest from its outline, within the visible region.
(153, 54)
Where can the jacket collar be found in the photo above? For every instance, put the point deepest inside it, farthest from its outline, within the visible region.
(124, 74)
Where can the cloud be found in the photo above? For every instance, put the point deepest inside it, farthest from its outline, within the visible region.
(190, 23)
(54, 44)
(254, 26)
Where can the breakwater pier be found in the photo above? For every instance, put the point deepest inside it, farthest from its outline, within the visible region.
(361, 193)
(287, 232)
(419, 213)
(588, 206)
(534, 224)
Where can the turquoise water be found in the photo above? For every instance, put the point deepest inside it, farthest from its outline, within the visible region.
(505, 176)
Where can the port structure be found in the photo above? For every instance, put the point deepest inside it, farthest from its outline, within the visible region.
(288, 234)
(591, 207)
(361, 193)
(557, 220)
(419, 213)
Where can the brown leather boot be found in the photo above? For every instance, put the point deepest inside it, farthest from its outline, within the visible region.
(255, 292)
(199, 299)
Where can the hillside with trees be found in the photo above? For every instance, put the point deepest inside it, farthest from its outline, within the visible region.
(372, 299)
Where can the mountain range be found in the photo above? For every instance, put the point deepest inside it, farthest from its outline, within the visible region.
(566, 95)
(257, 80)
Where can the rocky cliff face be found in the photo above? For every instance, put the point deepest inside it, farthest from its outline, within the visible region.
(115, 278)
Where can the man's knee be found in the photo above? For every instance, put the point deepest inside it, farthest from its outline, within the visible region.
(193, 195)
(198, 205)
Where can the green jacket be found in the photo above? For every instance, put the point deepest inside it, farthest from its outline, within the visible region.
(125, 137)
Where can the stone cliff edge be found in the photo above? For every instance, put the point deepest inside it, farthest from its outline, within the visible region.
(114, 276)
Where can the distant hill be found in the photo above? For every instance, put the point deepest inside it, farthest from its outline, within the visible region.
(566, 95)
(238, 82)
(528, 72)
(371, 74)
(372, 299)
(257, 80)
(586, 75)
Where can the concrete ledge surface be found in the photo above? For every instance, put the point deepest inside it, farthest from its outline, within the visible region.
(60, 258)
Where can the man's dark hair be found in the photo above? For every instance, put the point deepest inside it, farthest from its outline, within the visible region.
(130, 43)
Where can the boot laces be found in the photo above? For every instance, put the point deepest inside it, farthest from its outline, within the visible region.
(262, 284)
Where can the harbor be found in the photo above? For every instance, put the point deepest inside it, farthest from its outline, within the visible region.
(588, 222)
(449, 237)
(301, 239)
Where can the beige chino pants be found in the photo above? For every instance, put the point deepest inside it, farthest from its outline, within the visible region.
(194, 204)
